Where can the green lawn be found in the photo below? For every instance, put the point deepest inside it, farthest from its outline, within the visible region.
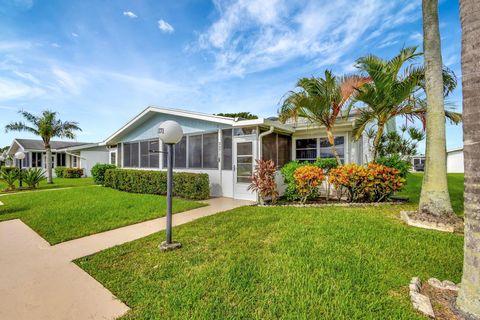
(61, 215)
(455, 187)
(270, 263)
(57, 183)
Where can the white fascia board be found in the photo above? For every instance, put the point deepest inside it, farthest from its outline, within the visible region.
(264, 122)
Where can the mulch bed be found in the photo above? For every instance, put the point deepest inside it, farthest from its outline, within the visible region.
(443, 302)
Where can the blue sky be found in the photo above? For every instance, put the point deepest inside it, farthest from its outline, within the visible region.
(102, 62)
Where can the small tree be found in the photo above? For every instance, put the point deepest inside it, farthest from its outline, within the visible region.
(263, 180)
(46, 126)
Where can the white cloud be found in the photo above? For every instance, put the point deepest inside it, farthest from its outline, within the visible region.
(11, 89)
(416, 36)
(129, 14)
(55, 45)
(165, 26)
(251, 36)
(74, 34)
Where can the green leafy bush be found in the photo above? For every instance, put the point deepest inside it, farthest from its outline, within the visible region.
(185, 184)
(288, 170)
(33, 176)
(10, 176)
(59, 171)
(98, 172)
(72, 173)
(395, 162)
(326, 164)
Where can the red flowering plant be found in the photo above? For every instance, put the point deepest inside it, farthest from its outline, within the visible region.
(307, 180)
(263, 180)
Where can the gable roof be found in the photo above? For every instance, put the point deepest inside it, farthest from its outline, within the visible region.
(34, 144)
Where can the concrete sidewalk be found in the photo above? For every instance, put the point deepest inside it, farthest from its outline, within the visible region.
(39, 281)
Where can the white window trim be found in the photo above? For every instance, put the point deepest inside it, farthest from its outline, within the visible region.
(317, 138)
(110, 157)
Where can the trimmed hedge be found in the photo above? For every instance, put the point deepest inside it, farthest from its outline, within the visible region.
(187, 185)
(72, 173)
(59, 171)
(98, 172)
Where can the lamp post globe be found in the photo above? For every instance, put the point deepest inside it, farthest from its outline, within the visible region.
(20, 156)
(170, 132)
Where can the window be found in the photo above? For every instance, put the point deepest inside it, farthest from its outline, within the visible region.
(113, 157)
(244, 131)
(130, 155)
(180, 156)
(284, 150)
(276, 147)
(195, 151)
(144, 154)
(227, 149)
(326, 148)
(36, 160)
(306, 150)
(210, 150)
(154, 156)
(244, 162)
(74, 162)
(61, 159)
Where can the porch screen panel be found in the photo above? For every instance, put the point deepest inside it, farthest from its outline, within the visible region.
(195, 151)
(180, 157)
(26, 161)
(154, 156)
(134, 153)
(210, 151)
(269, 147)
(126, 154)
(144, 155)
(227, 149)
(284, 150)
(306, 150)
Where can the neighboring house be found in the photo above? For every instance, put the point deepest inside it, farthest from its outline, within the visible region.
(418, 161)
(455, 161)
(68, 154)
(226, 148)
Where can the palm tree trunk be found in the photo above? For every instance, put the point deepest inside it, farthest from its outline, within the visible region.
(331, 139)
(469, 294)
(48, 161)
(377, 140)
(434, 198)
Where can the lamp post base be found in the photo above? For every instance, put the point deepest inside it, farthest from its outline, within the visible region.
(164, 246)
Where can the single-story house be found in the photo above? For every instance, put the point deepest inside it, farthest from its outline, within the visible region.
(226, 148)
(455, 161)
(418, 160)
(68, 154)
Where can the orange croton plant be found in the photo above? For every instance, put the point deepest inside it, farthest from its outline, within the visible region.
(307, 180)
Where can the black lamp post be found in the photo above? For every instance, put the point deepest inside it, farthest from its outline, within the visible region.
(20, 156)
(170, 133)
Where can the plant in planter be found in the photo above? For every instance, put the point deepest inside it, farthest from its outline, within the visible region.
(263, 181)
(33, 176)
(307, 180)
(10, 176)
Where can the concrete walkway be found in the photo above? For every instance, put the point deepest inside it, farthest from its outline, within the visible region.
(39, 281)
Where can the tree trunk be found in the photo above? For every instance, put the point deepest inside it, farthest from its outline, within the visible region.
(48, 162)
(331, 139)
(434, 198)
(469, 294)
(377, 140)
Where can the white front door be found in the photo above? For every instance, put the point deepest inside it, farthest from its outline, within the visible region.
(244, 161)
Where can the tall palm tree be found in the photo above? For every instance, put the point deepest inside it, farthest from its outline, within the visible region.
(321, 100)
(469, 294)
(434, 197)
(394, 90)
(46, 126)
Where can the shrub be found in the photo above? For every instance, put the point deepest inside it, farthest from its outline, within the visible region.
(382, 182)
(59, 171)
(327, 164)
(72, 173)
(352, 178)
(395, 162)
(33, 176)
(307, 179)
(372, 183)
(10, 176)
(263, 180)
(98, 172)
(287, 171)
(185, 184)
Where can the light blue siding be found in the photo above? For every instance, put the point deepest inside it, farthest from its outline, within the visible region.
(149, 128)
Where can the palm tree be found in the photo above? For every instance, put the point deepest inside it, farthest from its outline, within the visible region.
(46, 126)
(394, 90)
(469, 294)
(320, 100)
(434, 197)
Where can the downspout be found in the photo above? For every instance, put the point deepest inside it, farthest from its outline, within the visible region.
(260, 136)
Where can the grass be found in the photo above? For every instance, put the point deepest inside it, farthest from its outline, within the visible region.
(62, 215)
(57, 183)
(290, 263)
(455, 188)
